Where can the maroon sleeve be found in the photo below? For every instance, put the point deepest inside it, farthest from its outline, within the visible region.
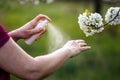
(4, 37)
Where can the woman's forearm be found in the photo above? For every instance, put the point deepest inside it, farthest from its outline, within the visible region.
(52, 62)
(16, 61)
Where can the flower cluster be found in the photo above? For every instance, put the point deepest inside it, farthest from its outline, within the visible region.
(113, 16)
(90, 22)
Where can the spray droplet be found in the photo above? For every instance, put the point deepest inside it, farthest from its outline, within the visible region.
(56, 38)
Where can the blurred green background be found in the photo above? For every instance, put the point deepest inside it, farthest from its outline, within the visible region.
(102, 62)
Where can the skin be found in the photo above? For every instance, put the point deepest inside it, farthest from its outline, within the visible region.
(16, 61)
(28, 30)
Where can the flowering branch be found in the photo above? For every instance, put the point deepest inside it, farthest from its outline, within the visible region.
(110, 20)
(92, 23)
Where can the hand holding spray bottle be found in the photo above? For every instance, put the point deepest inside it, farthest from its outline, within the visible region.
(42, 24)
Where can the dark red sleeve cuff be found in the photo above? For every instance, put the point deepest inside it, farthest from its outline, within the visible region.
(4, 37)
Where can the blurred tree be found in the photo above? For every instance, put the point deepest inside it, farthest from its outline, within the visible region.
(22, 1)
(35, 2)
(112, 0)
(98, 5)
(49, 1)
(5, 4)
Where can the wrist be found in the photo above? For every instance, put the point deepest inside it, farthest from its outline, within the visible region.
(14, 35)
(67, 51)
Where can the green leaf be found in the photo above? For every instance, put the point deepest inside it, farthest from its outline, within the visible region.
(87, 12)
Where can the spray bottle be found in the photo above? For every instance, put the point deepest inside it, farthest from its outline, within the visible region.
(42, 24)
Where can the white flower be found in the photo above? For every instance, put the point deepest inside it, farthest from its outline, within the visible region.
(90, 23)
(110, 16)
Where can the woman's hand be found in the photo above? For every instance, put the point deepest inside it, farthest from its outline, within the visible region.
(28, 30)
(74, 47)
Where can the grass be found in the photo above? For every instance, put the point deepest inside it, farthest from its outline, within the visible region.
(99, 63)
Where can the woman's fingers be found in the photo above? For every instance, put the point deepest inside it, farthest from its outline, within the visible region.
(79, 41)
(84, 48)
(41, 33)
(33, 31)
(82, 44)
(41, 16)
(37, 19)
